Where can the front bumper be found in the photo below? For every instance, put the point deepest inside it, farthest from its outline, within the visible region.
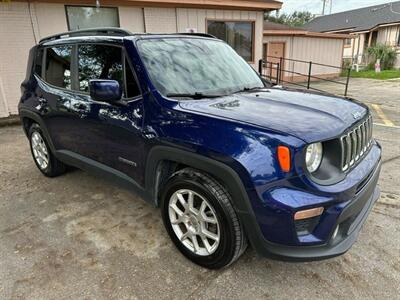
(350, 217)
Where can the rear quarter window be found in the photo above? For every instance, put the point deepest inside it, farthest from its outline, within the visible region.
(38, 67)
(58, 66)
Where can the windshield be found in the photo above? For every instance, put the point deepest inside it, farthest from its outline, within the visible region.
(196, 66)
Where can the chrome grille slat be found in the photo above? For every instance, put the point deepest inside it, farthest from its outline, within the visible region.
(356, 143)
(353, 147)
(365, 139)
(348, 158)
(370, 130)
(362, 139)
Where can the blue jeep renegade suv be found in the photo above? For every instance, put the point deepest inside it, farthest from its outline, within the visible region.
(186, 123)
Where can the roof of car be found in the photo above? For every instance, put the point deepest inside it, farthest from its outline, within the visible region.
(111, 33)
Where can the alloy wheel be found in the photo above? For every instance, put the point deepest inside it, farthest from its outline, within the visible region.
(39, 150)
(194, 222)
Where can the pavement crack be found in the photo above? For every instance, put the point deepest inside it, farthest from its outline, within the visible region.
(385, 214)
(390, 159)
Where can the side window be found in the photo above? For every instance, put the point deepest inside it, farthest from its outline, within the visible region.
(132, 89)
(99, 62)
(58, 66)
(39, 62)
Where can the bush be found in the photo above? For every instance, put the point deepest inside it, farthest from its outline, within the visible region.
(385, 53)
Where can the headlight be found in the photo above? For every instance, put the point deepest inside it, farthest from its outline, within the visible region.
(313, 157)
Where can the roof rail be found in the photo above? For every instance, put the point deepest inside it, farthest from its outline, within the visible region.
(91, 31)
(199, 34)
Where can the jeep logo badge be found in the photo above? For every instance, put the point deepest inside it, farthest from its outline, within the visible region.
(356, 115)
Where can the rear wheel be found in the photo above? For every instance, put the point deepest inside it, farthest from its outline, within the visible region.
(44, 159)
(200, 219)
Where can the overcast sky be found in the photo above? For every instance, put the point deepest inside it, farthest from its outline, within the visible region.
(315, 6)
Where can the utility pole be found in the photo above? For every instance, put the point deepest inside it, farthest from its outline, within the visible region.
(323, 7)
(330, 6)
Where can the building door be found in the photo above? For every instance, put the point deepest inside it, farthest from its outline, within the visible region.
(274, 57)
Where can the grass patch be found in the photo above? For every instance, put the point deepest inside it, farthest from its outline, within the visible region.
(383, 75)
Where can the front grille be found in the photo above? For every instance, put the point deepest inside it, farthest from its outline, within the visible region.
(356, 143)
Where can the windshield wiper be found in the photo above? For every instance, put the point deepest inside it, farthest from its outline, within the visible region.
(194, 95)
(246, 89)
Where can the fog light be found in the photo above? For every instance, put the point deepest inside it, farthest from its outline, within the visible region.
(308, 213)
(335, 232)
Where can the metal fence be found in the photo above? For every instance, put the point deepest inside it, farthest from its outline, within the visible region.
(275, 68)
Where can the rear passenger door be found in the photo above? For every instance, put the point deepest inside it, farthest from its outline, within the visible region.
(53, 68)
(108, 133)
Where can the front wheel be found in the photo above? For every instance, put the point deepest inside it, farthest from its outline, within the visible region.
(200, 219)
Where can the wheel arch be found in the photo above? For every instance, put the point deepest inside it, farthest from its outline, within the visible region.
(28, 118)
(223, 173)
(163, 161)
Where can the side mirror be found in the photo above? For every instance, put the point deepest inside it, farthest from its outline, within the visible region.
(105, 90)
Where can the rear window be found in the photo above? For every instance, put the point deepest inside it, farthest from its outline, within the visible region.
(58, 66)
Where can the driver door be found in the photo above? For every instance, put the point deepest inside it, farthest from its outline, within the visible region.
(109, 133)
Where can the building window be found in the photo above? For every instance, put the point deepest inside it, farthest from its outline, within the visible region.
(347, 42)
(81, 17)
(398, 38)
(239, 35)
(58, 66)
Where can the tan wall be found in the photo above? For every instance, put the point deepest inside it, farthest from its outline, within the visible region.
(160, 20)
(50, 18)
(16, 37)
(19, 29)
(318, 50)
(388, 35)
(348, 51)
(131, 18)
(356, 50)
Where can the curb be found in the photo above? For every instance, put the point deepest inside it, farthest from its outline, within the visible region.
(10, 121)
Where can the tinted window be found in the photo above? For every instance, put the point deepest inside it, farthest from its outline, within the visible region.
(99, 62)
(39, 62)
(239, 35)
(132, 89)
(58, 66)
(81, 17)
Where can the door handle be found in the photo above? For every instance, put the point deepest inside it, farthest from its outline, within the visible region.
(80, 106)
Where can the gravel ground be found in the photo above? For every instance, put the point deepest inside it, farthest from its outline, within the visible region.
(79, 237)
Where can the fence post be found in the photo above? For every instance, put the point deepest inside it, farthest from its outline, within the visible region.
(309, 75)
(281, 68)
(270, 71)
(347, 82)
(278, 70)
(260, 66)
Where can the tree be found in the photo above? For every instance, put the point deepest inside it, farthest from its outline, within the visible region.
(385, 53)
(295, 19)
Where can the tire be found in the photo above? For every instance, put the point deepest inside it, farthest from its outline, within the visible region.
(212, 203)
(44, 159)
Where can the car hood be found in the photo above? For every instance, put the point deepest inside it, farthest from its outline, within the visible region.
(309, 116)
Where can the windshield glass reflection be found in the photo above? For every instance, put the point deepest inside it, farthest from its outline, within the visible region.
(193, 66)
